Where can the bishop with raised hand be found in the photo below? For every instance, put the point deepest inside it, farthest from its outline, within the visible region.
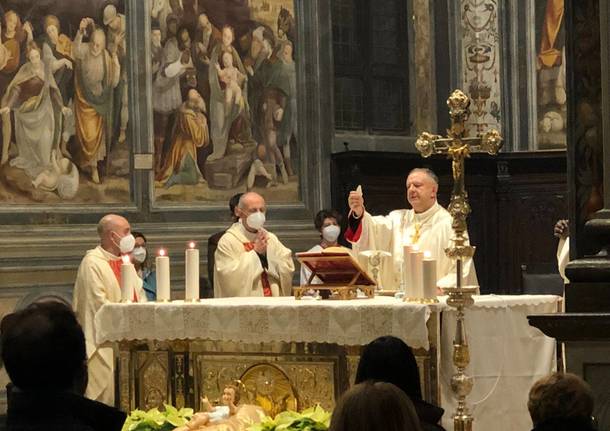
(249, 260)
(427, 225)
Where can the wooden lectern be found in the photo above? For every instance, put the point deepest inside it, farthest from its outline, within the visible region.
(340, 274)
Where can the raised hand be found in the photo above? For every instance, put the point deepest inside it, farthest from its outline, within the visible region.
(356, 202)
(260, 243)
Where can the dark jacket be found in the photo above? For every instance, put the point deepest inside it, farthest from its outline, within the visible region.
(59, 412)
(429, 415)
(566, 424)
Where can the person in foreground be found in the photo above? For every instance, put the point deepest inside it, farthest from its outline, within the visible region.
(389, 359)
(426, 226)
(98, 283)
(374, 406)
(561, 402)
(249, 260)
(43, 349)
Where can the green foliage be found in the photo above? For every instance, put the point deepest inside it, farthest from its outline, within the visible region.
(155, 420)
(312, 419)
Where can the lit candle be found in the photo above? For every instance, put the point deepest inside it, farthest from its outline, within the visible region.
(128, 274)
(417, 287)
(162, 270)
(429, 274)
(406, 268)
(191, 267)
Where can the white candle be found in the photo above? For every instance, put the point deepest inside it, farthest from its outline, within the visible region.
(417, 285)
(162, 271)
(429, 274)
(191, 264)
(128, 273)
(406, 268)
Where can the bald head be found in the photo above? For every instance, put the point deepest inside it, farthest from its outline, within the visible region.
(111, 228)
(250, 203)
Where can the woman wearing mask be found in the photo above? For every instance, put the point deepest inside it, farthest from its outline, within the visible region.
(327, 223)
(141, 263)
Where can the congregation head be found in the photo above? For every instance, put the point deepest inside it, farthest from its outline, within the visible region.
(374, 406)
(43, 348)
(421, 188)
(561, 401)
(389, 359)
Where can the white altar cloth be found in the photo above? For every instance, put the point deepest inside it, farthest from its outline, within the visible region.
(507, 355)
(255, 320)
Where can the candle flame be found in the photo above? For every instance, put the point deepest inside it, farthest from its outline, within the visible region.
(162, 252)
(125, 259)
(192, 244)
(427, 254)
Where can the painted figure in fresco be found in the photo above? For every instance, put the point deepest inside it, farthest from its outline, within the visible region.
(115, 33)
(61, 176)
(57, 51)
(278, 112)
(232, 79)
(37, 104)
(206, 36)
(161, 10)
(97, 75)
(286, 26)
(156, 49)
(190, 133)
(223, 115)
(13, 37)
(552, 75)
(166, 87)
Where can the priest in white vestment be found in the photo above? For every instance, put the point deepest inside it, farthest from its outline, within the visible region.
(249, 260)
(562, 231)
(98, 283)
(427, 225)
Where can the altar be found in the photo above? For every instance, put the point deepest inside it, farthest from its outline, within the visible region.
(294, 354)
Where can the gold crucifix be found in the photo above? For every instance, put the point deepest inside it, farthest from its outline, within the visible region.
(458, 146)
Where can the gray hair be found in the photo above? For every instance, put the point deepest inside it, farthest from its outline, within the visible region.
(426, 171)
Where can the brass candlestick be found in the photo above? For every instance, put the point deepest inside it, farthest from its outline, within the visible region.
(457, 146)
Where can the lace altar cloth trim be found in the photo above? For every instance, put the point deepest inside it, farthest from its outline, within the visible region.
(255, 320)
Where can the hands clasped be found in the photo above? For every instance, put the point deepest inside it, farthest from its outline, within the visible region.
(260, 243)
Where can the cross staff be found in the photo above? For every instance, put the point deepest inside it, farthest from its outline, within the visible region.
(458, 146)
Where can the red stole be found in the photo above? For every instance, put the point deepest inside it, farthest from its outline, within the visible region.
(249, 246)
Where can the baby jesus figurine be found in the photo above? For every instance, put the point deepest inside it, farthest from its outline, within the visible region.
(211, 415)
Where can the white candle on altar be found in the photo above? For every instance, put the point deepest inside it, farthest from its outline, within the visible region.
(162, 271)
(128, 274)
(191, 268)
(429, 275)
(417, 282)
(406, 269)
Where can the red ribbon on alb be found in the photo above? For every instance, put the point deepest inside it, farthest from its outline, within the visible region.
(249, 246)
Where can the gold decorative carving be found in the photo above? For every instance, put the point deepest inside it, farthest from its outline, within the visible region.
(154, 377)
(352, 368)
(125, 381)
(270, 388)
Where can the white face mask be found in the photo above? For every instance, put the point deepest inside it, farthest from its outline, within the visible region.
(139, 254)
(331, 233)
(127, 243)
(256, 220)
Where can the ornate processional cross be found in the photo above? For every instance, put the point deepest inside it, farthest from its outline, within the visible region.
(458, 146)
